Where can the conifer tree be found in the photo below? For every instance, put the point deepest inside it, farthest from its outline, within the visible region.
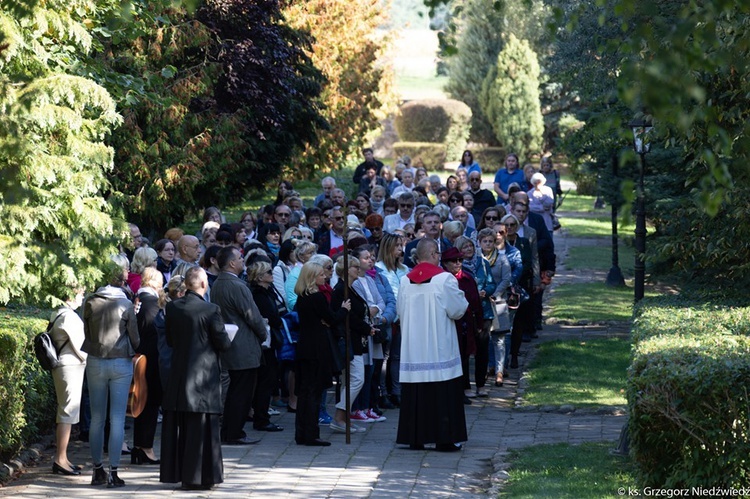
(56, 228)
(510, 99)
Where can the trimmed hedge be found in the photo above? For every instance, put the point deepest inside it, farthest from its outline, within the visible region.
(27, 394)
(427, 154)
(491, 159)
(688, 394)
(445, 121)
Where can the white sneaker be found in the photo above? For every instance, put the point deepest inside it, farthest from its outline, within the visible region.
(374, 416)
(273, 412)
(470, 394)
(341, 428)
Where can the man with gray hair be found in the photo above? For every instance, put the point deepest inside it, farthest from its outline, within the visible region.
(328, 184)
(462, 215)
(405, 214)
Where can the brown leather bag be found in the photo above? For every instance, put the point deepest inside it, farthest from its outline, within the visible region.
(138, 387)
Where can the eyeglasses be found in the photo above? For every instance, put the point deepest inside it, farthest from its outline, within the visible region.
(494, 219)
(338, 218)
(456, 260)
(283, 214)
(501, 232)
(402, 205)
(511, 224)
(373, 229)
(269, 272)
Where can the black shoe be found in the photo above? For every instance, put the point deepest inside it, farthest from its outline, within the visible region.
(290, 409)
(385, 403)
(76, 467)
(514, 361)
(242, 441)
(448, 447)
(416, 447)
(138, 456)
(195, 487)
(100, 476)
(467, 400)
(270, 427)
(395, 400)
(56, 468)
(114, 480)
(317, 443)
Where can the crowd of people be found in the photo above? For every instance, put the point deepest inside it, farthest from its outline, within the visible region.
(402, 284)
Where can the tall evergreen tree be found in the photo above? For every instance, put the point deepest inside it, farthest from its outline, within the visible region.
(56, 228)
(510, 99)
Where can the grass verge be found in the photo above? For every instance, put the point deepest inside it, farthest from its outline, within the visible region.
(580, 204)
(594, 227)
(562, 470)
(592, 302)
(583, 373)
(600, 258)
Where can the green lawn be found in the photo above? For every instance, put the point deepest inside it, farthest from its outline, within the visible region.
(582, 373)
(592, 302)
(599, 226)
(580, 204)
(410, 85)
(600, 258)
(569, 471)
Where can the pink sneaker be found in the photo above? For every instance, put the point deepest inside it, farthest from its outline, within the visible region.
(374, 416)
(360, 417)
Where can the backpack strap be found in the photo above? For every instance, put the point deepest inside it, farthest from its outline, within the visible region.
(49, 328)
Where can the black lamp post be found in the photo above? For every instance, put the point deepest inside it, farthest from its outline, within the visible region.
(641, 144)
(615, 277)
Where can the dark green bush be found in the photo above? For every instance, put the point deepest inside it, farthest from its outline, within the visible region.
(427, 154)
(491, 159)
(444, 121)
(688, 394)
(27, 395)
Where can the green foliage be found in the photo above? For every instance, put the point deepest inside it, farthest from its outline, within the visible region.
(489, 158)
(510, 99)
(472, 41)
(582, 373)
(440, 121)
(687, 393)
(55, 226)
(427, 154)
(358, 91)
(584, 471)
(27, 396)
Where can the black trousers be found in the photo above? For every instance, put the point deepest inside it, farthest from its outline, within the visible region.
(482, 355)
(266, 380)
(239, 400)
(309, 391)
(523, 324)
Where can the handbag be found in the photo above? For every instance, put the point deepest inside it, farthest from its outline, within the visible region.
(500, 317)
(516, 296)
(138, 387)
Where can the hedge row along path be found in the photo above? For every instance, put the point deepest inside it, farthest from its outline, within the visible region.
(372, 466)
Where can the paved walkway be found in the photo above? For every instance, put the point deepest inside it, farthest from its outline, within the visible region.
(373, 465)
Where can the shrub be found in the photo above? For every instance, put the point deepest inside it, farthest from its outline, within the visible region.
(442, 121)
(489, 158)
(687, 394)
(27, 395)
(510, 98)
(427, 154)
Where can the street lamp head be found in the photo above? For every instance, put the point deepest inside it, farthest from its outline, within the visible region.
(641, 131)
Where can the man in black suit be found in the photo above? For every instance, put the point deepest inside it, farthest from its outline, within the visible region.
(359, 172)
(244, 356)
(483, 198)
(190, 445)
(547, 257)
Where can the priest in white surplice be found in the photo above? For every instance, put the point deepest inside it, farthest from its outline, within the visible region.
(432, 397)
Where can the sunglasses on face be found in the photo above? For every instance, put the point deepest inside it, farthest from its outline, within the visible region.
(406, 205)
(494, 219)
(338, 218)
(511, 225)
(457, 260)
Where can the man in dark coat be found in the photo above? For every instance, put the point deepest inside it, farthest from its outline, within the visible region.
(190, 444)
(243, 358)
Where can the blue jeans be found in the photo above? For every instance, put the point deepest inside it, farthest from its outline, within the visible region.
(108, 377)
